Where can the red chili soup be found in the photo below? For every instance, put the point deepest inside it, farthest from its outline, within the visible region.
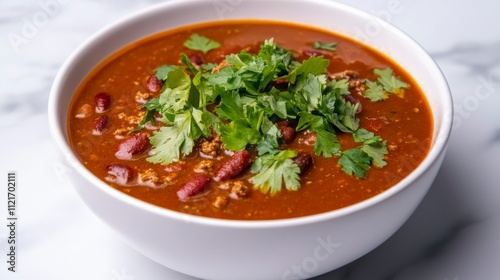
(250, 120)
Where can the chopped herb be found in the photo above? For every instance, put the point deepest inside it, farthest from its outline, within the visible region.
(375, 91)
(386, 83)
(373, 146)
(390, 83)
(355, 161)
(152, 106)
(162, 71)
(325, 46)
(272, 170)
(172, 141)
(247, 90)
(201, 43)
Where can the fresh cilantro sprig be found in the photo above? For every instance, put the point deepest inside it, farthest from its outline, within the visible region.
(274, 170)
(201, 43)
(385, 84)
(359, 160)
(331, 46)
(170, 142)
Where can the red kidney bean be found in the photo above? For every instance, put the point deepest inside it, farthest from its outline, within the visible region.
(102, 101)
(353, 101)
(132, 146)
(100, 124)
(304, 161)
(154, 84)
(123, 174)
(287, 131)
(193, 186)
(233, 166)
(196, 59)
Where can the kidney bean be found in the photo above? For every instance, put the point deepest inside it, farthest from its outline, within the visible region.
(353, 101)
(132, 146)
(154, 84)
(123, 174)
(193, 186)
(233, 166)
(102, 101)
(196, 59)
(287, 131)
(100, 124)
(304, 161)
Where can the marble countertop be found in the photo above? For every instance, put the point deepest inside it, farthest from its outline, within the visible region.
(453, 235)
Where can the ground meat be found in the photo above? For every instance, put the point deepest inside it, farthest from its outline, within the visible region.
(132, 119)
(149, 177)
(120, 133)
(309, 138)
(221, 202)
(142, 97)
(204, 166)
(239, 190)
(210, 147)
(355, 83)
(347, 74)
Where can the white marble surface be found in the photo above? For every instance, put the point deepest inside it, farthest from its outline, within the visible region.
(453, 235)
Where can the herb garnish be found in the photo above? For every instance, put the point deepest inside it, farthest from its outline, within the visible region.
(244, 89)
(201, 43)
(325, 46)
(386, 83)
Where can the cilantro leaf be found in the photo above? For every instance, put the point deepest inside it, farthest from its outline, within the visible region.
(326, 143)
(309, 120)
(190, 66)
(152, 106)
(373, 146)
(273, 105)
(201, 43)
(172, 141)
(355, 161)
(375, 92)
(310, 89)
(162, 72)
(230, 107)
(315, 65)
(389, 82)
(176, 92)
(238, 134)
(274, 170)
(332, 46)
(268, 144)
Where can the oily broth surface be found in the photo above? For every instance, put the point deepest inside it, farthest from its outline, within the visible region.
(324, 187)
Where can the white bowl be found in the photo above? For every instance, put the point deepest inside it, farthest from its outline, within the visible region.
(278, 249)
